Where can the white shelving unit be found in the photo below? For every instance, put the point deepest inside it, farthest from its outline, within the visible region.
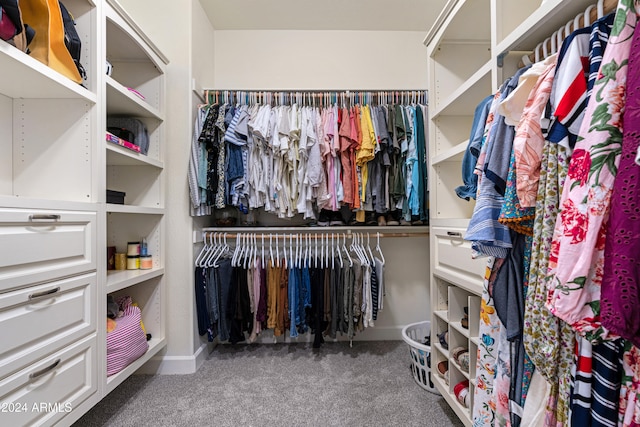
(50, 276)
(55, 226)
(136, 64)
(473, 46)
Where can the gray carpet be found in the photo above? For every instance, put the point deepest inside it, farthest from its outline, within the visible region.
(284, 385)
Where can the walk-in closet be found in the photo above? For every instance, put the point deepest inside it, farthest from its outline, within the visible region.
(296, 212)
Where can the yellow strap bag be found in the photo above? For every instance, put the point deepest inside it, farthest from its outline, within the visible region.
(48, 47)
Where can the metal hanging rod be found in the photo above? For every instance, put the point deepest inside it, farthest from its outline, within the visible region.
(313, 234)
(316, 97)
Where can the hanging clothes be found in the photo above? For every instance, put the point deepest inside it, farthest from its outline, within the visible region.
(238, 299)
(294, 159)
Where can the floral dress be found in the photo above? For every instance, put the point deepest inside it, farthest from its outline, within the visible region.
(548, 340)
(577, 256)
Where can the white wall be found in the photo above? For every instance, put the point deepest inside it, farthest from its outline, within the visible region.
(320, 60)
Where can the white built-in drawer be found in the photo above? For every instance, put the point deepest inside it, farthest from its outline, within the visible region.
(47, 390)
(41, 319)
(453, 260)
(38, 246)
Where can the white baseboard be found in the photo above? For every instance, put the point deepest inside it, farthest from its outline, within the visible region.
(176, 365)
(180, 365)
(384, 333)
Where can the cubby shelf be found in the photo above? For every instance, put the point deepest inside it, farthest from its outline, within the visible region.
(155, 345)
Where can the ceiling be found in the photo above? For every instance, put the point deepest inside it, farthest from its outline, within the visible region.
(363, 15)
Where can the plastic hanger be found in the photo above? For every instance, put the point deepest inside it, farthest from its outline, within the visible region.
(587, 16)
(378, 249)
(338, 248)
(600, 8)
(225, 249)
(316, 258)
(370, 252)
(537, 52)
(344, 248)
(284, 250)
(321, 251)
(236, 250)
(203, 251)
(291, 264)
(271, 249)
(215, 248)
(277, 252)
(263, 250)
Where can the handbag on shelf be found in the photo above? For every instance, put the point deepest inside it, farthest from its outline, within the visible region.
(48, 45)
(127, 341)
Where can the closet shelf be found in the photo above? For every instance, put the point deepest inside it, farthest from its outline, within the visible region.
(121, 279)
(453, 154)
(462, 101)
(121, 41)
(115, 208)
(441, 349)
(443, 314)
(475, 340)
(549, 17)
(459, 280)
(459, 368)
(461, 411)
(120, 156)
(155, 345)
(463, 15)
(36, 79)
(458, 327)
(122, 101)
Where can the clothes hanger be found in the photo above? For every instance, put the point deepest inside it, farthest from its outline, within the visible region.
(338, 248)
(344, 248)
(284, 250)
(362, 248)
(369, 249)
(321, 251)
(600, 8)
(203, 250)
(378, 249)
(236, 250)
(277, 252)
(249, 253)
(271, 249)
(586, 22)
(316, 257)
(291, 264)
(262, 250)
(217, 247)
(354, 246)
(224, 250)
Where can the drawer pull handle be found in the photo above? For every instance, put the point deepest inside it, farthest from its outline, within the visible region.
(44, 217)
(454, 234)
(44, 293)
(43, 371)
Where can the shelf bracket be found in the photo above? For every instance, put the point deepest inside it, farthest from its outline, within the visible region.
(500, 59)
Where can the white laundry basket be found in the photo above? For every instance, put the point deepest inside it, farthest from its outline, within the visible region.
(414, 335)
